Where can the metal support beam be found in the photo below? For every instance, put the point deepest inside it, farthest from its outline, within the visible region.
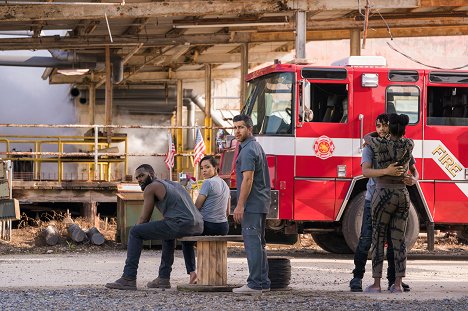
(108, 101)
(244, 72)
(208, 119)
(354, 42)
(92, 103)
(300, 34)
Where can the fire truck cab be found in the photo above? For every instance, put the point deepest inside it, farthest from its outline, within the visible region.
(311, 122)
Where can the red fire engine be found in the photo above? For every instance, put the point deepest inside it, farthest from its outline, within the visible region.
(311, 121)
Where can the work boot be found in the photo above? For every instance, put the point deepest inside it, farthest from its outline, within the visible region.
(356, 285)
(406, 287)
(159, 283)
(124, 283)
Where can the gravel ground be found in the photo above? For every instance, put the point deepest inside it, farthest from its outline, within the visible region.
(97, 298)
(74, 281)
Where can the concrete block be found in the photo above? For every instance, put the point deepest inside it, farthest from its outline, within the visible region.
(3, 170)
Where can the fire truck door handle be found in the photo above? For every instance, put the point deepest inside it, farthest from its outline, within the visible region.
(361, 132)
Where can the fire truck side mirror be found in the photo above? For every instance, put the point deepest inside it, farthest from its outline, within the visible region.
(305, 102)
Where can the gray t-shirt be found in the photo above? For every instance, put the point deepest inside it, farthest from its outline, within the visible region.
(252, 158)
(217, 195)
(368, 157)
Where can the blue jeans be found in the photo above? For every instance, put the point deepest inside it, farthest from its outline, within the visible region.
(364, 245)
(209, 228)
(155, 230)
(253, 232)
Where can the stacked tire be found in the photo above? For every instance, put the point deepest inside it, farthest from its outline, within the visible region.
(279, 272)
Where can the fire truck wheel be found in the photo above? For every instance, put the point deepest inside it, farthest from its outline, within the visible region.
(332, 242)
(352, 221)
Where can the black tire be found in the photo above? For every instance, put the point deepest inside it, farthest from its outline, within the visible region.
(279, 272)
(352, 222)
(332, 242)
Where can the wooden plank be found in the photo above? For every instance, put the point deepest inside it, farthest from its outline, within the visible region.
(80, 11)
(203, 248)
(212, 238)
(213, 262)
(221, 255)
(441, 3)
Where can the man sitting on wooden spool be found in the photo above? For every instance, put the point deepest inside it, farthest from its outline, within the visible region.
(180, 218)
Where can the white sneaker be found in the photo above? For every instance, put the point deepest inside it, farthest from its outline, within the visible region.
(245, 290)
(265, 290)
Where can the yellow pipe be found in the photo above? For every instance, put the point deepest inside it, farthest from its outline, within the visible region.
(208, 134)
(126, 158)
(60, 164)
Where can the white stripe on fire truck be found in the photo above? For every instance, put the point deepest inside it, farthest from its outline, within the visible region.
(349, 147)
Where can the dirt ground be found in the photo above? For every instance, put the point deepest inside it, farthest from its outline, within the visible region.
(29, 240)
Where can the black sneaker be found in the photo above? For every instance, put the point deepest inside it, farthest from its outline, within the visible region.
(356, 285)
(406, 287)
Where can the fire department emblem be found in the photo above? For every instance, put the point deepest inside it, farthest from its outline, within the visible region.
(324, 147)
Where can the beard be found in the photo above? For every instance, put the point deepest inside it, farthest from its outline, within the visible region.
(146, 182)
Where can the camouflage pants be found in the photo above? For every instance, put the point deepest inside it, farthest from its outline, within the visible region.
(390, 206)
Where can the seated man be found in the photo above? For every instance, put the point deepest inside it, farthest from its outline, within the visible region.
(180, 218)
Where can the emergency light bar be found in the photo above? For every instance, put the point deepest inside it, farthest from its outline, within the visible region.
(365, 61)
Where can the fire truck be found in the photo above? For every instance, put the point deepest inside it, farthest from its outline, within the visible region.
(311, 120)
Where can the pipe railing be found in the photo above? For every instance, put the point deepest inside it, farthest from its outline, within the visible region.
(99, 142)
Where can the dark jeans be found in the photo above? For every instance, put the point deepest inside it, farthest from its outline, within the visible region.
(253, 232)
(364, 245)
(155, 230)
(209, 228)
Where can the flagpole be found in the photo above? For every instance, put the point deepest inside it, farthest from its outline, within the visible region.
(169, 139)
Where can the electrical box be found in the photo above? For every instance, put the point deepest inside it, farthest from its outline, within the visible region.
(9, 209)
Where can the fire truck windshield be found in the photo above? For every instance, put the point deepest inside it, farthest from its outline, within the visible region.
(270, 103)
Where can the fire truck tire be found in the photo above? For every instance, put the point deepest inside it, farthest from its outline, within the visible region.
(332, 242)
(352, 222)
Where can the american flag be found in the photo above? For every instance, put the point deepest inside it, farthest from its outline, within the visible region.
(170, 154)
(199, 149)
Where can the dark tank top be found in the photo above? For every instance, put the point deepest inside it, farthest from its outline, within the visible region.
(178, 210)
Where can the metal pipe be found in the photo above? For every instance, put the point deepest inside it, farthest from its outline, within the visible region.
(190, 122)
(208, 118)
(355, 42)
(126, 158)
(244, 72)
(361, 132)
(92, 103)
(96, 138)
(108, 100)
(59, 162)
(179, 134)
(198, 102)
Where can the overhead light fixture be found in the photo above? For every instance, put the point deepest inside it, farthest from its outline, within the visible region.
(73, 72)
(213, 23)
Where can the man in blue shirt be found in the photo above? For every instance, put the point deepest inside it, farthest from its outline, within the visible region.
(253, 202)
(365, 240)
